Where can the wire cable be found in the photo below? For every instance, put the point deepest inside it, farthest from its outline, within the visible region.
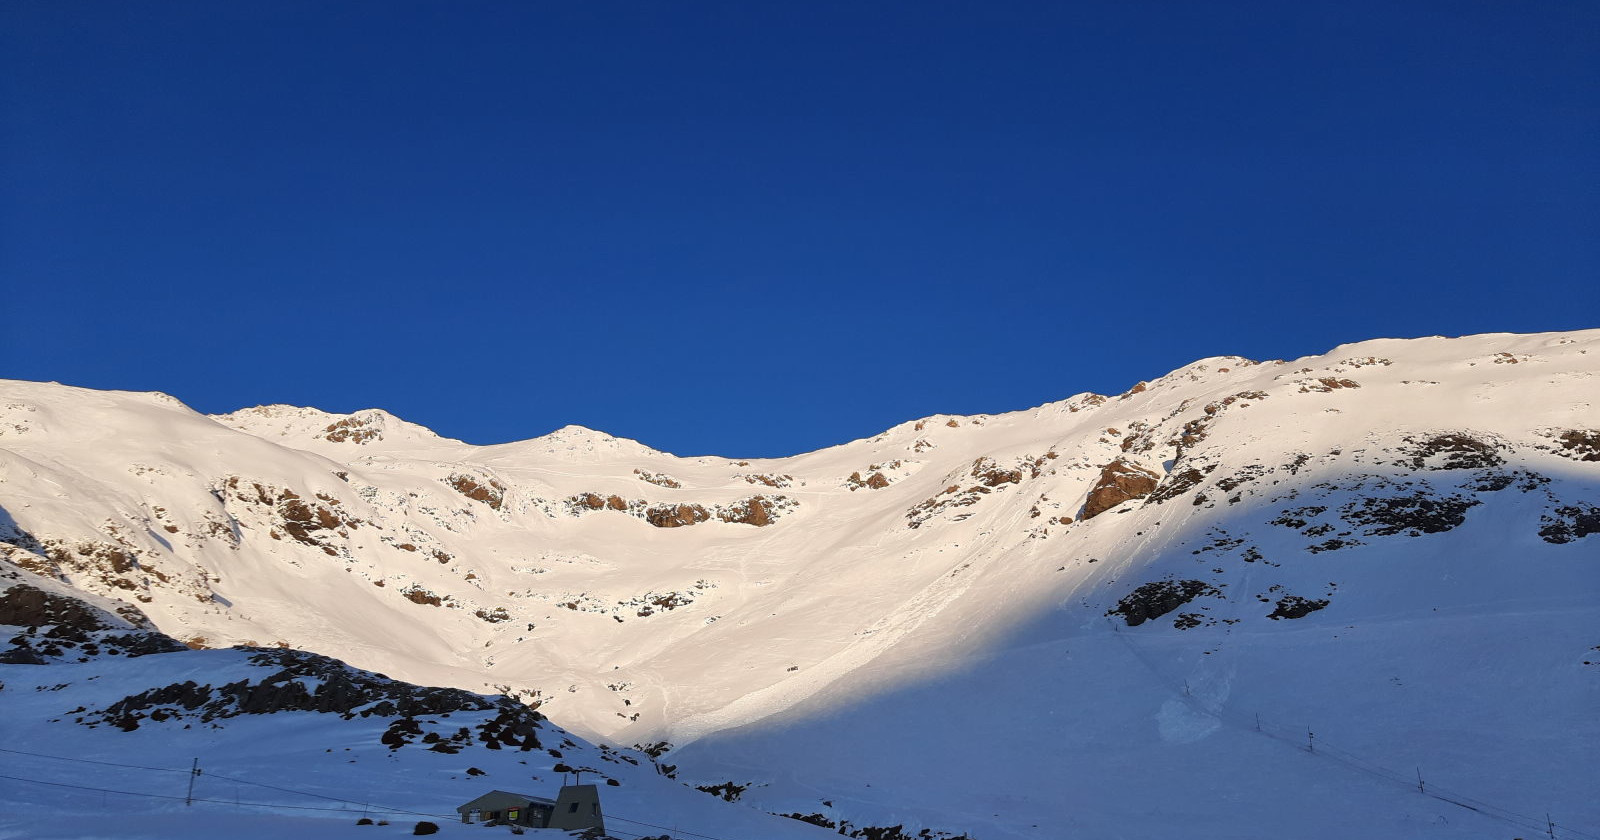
(664, 828)
(95, 789)
(1325, 750)
(103, 763)
(373, 806)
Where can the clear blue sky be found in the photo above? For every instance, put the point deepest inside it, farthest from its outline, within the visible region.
(753, 228)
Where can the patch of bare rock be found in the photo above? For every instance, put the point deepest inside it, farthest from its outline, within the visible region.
(1119, 482)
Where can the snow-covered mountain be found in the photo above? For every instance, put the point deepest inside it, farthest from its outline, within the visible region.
(1243, 599)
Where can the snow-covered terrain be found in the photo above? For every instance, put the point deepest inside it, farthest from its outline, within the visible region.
(105, 739)
(1242, 600)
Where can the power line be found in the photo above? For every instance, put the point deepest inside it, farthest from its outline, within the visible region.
(84, 787)
(365, 805)
(1354, 762)
(216, 801)
(91, 761)
(664, 828)
(212, 775)
(373, 806)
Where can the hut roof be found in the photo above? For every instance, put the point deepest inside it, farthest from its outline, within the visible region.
(499, 799)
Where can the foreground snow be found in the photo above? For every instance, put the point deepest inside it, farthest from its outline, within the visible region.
(75, 770)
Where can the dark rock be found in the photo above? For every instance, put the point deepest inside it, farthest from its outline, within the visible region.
(339, 689)
(1178, 483)
(27, 606)
(53, 621)
(1157, 598)
(1297, 518)
(1294, 606)
(814, 819)
(1581, 444)
(1413, 515)
(1569, 523)
(1451, 451)
(22, 654)
(727, 790)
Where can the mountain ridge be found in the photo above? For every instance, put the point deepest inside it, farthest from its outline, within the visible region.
(709, 602)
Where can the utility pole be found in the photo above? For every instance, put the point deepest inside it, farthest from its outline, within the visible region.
(194, 770)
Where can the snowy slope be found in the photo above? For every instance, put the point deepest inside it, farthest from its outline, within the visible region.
(803, 624)
(101, 741)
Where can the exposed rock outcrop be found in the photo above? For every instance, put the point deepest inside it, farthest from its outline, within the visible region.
(1119, 481)
(658, 479)
(676, 516)
(1412, 514)
(753, 510)
(1570, 522)
(1294, 606)
(61, 628)
(306, 682)
(1451, 451)
(875, 481)
(356, 430)
(756, 510)
(1157, 598)
(320, 522)
(1578, 444)
(488, 490)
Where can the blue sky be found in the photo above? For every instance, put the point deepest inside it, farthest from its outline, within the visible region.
(757, 229)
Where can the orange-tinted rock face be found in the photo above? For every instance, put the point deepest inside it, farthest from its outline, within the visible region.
(1119, 482)
(875, 481)
(755, 510)
(676, 516)
(351, 430)
(658, 479)
(491, 492)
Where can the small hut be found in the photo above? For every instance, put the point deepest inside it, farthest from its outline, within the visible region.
(575, 808)
(502, 807)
